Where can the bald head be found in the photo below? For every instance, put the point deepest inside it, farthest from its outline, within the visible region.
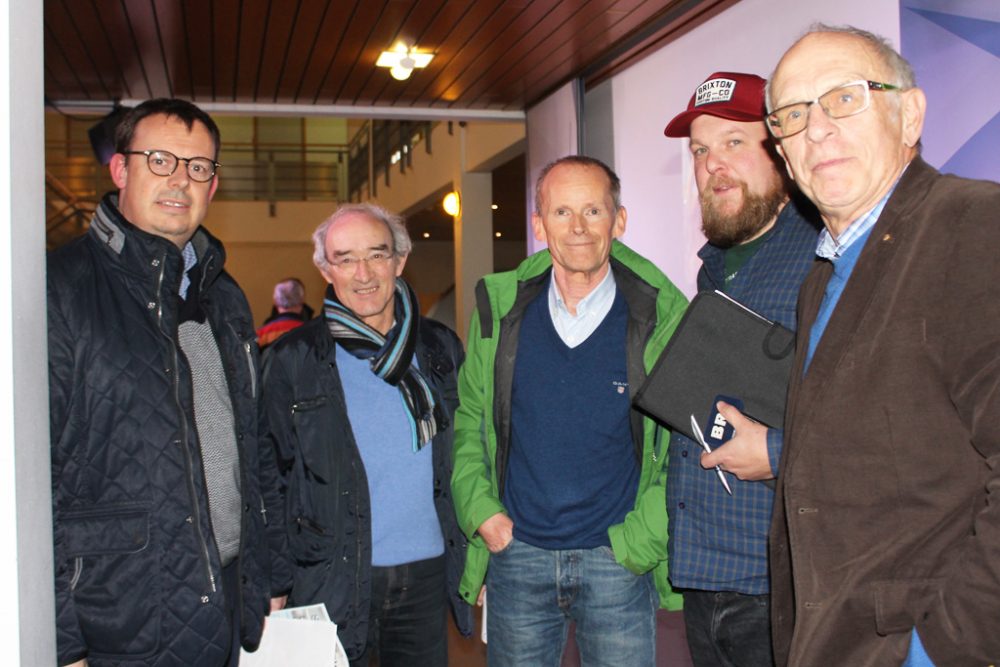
(847, 165)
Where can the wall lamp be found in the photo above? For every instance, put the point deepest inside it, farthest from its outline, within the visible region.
(452, 204)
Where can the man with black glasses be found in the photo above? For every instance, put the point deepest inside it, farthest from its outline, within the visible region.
(167, 551)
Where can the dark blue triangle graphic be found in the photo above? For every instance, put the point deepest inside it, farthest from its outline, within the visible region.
(977, 156)
(982, 33)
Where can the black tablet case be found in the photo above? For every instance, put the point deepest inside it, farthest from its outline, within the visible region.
(720, 347)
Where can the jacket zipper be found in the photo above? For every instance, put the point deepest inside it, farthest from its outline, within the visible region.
(188, 466)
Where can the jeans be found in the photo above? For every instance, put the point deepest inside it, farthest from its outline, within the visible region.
(533, 594)
(408, 615)
(728, 629)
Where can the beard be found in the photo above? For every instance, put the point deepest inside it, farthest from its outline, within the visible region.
(728, 229)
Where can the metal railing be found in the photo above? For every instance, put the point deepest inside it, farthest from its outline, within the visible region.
(378, 147)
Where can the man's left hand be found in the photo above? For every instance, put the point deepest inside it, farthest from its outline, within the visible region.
(278, 603)
(745, 455)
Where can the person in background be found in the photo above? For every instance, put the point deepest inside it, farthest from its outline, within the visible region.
(558, 482)
(289, 302)
(885, 541)
(761, 243)
(169, 538)
(360, 403)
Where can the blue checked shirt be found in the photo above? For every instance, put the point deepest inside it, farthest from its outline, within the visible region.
(718, 542)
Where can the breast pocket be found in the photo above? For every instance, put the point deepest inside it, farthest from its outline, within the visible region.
(115, 578)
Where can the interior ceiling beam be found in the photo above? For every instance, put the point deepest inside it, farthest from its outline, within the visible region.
(302, 110)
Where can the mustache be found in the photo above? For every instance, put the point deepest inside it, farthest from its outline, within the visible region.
(720, 182)
(178, 195)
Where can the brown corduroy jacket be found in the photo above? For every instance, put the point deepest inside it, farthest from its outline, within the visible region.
(884, 519)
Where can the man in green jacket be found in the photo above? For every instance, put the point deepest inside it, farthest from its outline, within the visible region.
(558, 482)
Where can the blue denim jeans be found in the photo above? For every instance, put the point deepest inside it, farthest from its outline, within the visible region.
(408, 616)
(533, 594)
(726, 629)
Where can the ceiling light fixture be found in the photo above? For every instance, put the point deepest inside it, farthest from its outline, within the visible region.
(401, 61)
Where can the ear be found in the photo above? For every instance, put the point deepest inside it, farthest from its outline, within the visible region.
(327, 274)
(212, 188)
(538, 228)
(914, 105)
(400, 263)
(119, 170)
(618, 228)
(781, 151)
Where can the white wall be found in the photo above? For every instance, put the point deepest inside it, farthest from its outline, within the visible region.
(552, 133)
(657, 182)
(27, 631)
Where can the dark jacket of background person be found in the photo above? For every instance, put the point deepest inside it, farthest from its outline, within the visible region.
(890, 474)
(326, 491)
(130, 506)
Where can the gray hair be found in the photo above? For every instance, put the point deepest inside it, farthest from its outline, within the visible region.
(289, 293)
(614, 188)
(401, 243)
(899, 69)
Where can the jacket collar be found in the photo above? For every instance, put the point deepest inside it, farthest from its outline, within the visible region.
(135, 248)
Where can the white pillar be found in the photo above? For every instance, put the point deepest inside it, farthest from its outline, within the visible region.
(473, 237)
(27, 632)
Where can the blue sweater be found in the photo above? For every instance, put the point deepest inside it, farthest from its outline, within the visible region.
(572, 471)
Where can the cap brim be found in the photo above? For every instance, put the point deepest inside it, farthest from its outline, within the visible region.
(680, 126)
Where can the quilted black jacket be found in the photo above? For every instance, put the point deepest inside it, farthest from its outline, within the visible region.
(326, 500)
(137, 569)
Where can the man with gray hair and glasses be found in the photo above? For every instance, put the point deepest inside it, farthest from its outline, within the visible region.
(885, 540)
(360, 403)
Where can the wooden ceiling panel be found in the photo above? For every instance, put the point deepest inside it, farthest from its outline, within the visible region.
(489, 54)
(200, 49)
(306, 22)
(255, 18)
(559, 26)
(225, 17)
(358, 27)
(319, 53)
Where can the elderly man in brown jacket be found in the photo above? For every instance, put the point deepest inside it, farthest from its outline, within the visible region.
(885, 540)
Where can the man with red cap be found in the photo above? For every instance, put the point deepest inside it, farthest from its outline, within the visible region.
(761, 244)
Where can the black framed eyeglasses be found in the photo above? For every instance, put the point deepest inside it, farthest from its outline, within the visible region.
(845, 100)
(164, 163)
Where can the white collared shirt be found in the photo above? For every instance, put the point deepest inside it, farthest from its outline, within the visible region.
(590, 311)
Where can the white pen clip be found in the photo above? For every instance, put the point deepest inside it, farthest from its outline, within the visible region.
(704, 445)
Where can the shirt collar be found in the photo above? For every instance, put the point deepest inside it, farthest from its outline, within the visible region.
(831, 248)
(600, 295)
(190, 259)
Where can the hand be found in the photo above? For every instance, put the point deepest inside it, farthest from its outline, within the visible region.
(278, 603)
(497, 532)
(482, 596)
(78, 663)
(745, 455)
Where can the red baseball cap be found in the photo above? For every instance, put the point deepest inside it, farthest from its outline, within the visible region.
(731, 95)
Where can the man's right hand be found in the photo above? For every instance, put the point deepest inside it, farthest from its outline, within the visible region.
(497, 532)
(78, 663)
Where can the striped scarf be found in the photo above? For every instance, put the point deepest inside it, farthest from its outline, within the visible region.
(391, 357)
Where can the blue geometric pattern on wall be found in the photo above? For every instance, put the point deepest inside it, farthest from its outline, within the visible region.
(954, 48)
(978, 157)
(982, 33)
